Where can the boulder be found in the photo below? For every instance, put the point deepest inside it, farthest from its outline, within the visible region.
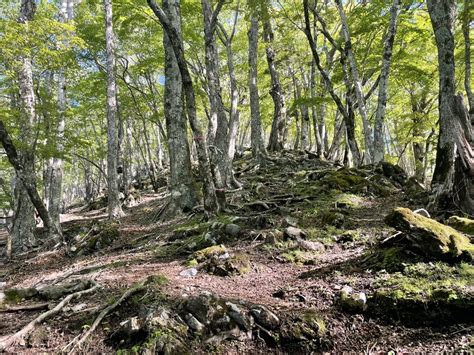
(462, 224)
(294, 233)
(354, 302)
(429, 237)
(265, 317)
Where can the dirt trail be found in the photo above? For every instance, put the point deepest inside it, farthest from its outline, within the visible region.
(330, 270)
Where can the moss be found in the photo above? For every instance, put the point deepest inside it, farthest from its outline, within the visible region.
(464, 225)
(424, 292)
(332, 218)
(433, 238)
(16, 295)
(209, 252)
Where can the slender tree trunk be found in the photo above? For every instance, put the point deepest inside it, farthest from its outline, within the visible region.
(56, 177)
(466, 23)
(114, 205)
(234, 103)
(182, 185)
(218, 122)
(314, 112)
(383, 84)
(276, 142)
(256, 133)
(211, 205)
(357, 84)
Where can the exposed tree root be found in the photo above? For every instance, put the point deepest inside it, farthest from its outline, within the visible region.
(31, 307)
(81, 338)
(20, 336)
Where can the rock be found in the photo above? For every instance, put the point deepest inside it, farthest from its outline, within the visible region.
(309, 245)
(464, 225)
(2, 297)
(265, 317)
(189, 272)
(289, 221)
(209, 252)
(232, 230)
(243, 320)
(130, 326)
(393, 172)
(307, 325)
(193, 323)
(352, 302)
(205, 307)
(294, 233)
(431, 238)
(2, 285)
(226, 265)
(79, 307)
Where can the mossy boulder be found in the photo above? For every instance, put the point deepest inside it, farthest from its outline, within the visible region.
(210, 252)
(429, 237)
(237, 264)
(462, 224)
(425, 293)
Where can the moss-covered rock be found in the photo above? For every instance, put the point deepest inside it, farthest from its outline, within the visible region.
(429, 237)
(425, 292)
(210, 252)
(462, 224)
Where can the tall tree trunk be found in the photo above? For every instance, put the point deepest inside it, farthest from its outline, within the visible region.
(383, 84)
(347, 116)
(452, 177)
(234, 103)
(218, 122)
(357, 84)
(276, 142)
(114, 205)
(56, 177)
(183, 194)
(24, 218)
(466, 23)
(211, 205)
(314, 111)
(256, 134)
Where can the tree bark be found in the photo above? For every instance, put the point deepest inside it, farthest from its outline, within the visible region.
(276, 142)
(211, 205)
(28, 182)
(256, 133)
(24, 223)
(453, 174)
(114, 205)
(383, 84)
(466, 21)
(357, 84)
(218, 121)
(182, 185)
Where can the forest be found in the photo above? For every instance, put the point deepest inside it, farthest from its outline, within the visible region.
(236, 176)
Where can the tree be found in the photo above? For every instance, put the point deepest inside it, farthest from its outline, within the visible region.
(257, 139)
(277, 134)
(452, 177)
(379, 145)
(183, 194)
(211, 205)
(114, 204)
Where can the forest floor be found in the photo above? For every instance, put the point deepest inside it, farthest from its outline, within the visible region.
(303, 235)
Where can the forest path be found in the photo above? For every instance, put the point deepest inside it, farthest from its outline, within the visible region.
(283, 276)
